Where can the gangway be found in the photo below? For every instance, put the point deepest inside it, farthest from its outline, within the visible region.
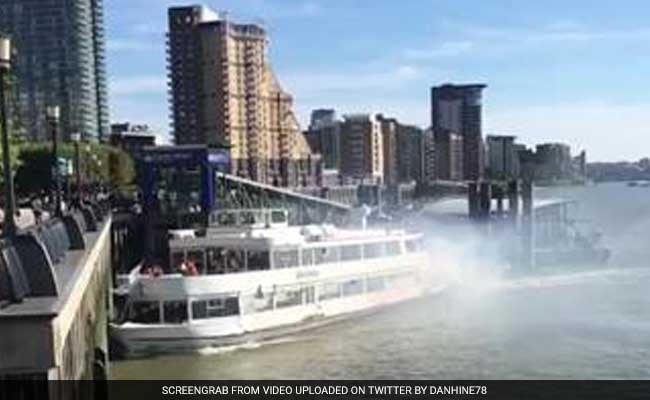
(241, 193)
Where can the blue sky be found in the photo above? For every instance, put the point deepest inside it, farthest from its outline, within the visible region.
(573, 71)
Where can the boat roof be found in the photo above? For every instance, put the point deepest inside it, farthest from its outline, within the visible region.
(311, 235)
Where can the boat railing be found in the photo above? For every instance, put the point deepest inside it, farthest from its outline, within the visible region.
(251, 218)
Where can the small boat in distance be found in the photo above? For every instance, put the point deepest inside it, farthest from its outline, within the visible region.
(251, 275)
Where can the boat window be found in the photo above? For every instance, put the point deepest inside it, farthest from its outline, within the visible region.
(393, 248)
(175, 312)
(326, 255)
(307, 257)
(216, 261)
(413, 245)
(376, 284)
(145, 312)
(285, 259)
(354, 287)
(221, 261)
(329, 291)
(236, 260)
(289, 297)
(258, 261)
(373, 250)
(215, 308)
(278, 217)
(350, 253)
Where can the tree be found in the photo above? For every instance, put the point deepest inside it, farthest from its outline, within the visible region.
(121, 168)
(99, 164)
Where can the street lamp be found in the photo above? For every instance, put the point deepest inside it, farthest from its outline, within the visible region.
(76, 139)
(53, 115)
(10, 203)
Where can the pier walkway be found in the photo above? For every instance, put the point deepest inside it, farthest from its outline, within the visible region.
(55, 302)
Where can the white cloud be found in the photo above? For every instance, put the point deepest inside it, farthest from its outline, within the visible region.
(447, 49)
(310, 84)
(138, 85)
(558, 32)
(607, 131)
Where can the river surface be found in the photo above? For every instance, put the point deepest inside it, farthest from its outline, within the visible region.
(592, 324)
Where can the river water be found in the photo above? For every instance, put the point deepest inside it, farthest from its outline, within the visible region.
(593, 324)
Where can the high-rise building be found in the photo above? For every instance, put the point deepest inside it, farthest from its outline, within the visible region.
(410, 154)
(324, 137)
(60, 61)
(429, 174)
(389, 128)
(362, 154)
(554, 160)
(450, 154)
(224, 92)
(503, 157)
(458, 108)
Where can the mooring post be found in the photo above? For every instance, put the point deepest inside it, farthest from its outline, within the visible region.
(528, 240)
(485, 200)
(513, 200)
(473, 200)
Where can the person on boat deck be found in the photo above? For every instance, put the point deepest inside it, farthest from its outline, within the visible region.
(235, 261)
(188, 268)
(153, 270)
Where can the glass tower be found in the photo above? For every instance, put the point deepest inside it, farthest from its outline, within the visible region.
(59, 60)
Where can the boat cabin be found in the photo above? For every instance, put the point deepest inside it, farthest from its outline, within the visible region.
(253, 247)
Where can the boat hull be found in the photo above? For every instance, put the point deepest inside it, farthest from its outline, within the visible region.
(146, 340)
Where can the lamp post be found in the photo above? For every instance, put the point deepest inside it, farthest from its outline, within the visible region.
(76, 139)
(53, 114)
(10, 203)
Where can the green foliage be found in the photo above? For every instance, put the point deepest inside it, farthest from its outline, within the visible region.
(16, 140)
(98, 164)
(32, 162)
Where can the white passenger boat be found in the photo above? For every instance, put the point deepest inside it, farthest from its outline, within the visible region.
(251, 275)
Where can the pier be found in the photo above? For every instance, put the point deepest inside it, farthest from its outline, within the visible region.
(55, 281)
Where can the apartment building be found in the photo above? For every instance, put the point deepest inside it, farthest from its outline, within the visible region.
(224, 92)
(362, 152)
